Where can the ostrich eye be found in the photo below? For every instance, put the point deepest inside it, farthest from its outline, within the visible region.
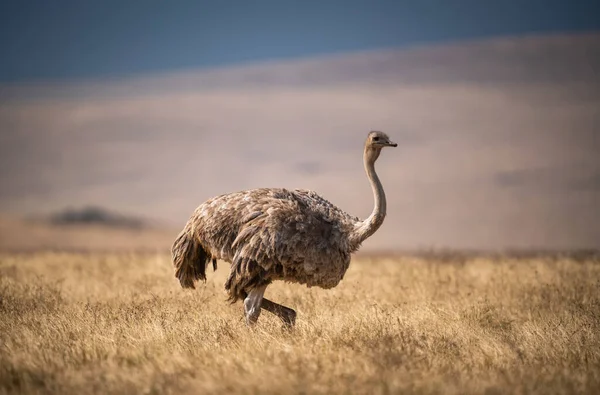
(375, 138)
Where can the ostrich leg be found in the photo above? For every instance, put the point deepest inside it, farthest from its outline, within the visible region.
(287, 315)
(254, 301)
(252, 304)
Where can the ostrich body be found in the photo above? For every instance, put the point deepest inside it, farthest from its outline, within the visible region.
(270, 234)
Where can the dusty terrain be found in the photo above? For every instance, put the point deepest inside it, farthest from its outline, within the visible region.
(73, 323)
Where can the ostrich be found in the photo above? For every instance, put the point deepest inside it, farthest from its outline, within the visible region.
(270, 234)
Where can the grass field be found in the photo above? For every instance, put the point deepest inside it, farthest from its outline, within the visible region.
(119, 323)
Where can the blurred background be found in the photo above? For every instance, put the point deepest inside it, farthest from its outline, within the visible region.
(117, 118)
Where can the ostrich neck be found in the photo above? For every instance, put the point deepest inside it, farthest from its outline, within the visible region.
(365, 229)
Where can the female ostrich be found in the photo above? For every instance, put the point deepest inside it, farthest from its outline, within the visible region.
(272, 234)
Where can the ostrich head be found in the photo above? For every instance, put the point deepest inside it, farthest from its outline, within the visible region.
(375, 142)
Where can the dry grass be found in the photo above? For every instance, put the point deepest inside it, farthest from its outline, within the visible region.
(120, 323)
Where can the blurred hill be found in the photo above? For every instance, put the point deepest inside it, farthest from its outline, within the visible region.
(498, 140)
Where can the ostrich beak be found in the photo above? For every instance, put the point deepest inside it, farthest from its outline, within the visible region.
(391, 144)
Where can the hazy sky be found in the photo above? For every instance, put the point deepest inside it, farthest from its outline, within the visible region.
(41, 39)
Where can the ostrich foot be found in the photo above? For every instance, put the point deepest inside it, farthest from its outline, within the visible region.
(252, 305)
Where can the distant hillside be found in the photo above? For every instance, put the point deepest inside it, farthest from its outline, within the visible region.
(497, 141)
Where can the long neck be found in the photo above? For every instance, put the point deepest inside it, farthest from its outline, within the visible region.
(365, 229)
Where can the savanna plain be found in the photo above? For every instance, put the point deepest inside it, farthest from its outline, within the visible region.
(119, 323)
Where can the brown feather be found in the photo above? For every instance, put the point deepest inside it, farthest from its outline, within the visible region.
(189, 259)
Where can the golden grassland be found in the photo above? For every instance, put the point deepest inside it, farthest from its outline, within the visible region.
(75, 323)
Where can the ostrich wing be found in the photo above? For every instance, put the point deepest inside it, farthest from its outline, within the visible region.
(292, 226)
(297, 236)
